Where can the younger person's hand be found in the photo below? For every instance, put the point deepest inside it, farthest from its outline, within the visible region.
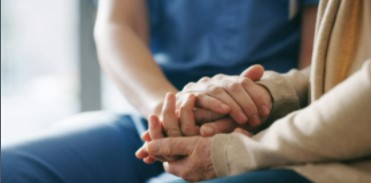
(167, 126)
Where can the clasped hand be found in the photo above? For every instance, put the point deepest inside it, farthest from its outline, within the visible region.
(220, 104)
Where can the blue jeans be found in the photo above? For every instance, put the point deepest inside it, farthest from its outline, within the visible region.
(95, 148)
(92, 148)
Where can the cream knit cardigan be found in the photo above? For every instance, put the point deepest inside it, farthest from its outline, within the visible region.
(330, 139)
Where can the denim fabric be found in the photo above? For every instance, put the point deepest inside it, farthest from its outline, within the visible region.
(90, 150)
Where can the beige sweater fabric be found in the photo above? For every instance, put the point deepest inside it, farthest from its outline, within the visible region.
(328, 140)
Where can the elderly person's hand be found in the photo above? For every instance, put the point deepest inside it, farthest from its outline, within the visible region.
(210, 109)
(222, 103)
(195, 164)
(250, 103)
(185, 120)
(193, 154)
(156, 126)
(157, 131)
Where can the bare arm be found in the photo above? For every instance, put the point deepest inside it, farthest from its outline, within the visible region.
(307, 35)
(121, 34)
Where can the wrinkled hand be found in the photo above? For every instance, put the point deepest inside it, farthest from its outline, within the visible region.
(220, 102)
(247, 100)
(243, 95)
(187, 157)
(196, 163)
(168, 125)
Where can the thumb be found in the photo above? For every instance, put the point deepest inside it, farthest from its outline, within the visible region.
(254, 72)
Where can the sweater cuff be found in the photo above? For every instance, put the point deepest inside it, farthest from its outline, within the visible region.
(285, 99)
(219, 154)
(229, 155)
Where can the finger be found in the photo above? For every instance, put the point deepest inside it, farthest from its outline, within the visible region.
(254, 72)
(261, 97)
(240, 130)
(146, 136)
(204, 100)
(169, 118)
(187, 119)
(212, 104)
(176, 146)
(225, 125)
(155, 128)
(236, 90)
(149, 160)
(204, 116)
(141, 152)
(219, 93)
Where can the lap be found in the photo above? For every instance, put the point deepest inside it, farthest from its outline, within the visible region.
(88, 148)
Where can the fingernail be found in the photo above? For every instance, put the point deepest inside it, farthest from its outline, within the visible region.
(208, 130)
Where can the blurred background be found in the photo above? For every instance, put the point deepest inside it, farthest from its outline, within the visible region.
(49, 67)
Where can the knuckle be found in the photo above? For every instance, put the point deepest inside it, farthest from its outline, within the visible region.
(189, 86)
(172, 132)
(190, 97)
(199, 94)
(215, 89)
(204, 79)
(234, 87)
(219, 76)
(245, 82)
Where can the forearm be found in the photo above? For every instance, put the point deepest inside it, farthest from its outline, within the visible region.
(289, 91)
(334, 128)
(127, 60)
(308, 22)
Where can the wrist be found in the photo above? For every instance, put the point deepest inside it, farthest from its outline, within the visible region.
(156, 104)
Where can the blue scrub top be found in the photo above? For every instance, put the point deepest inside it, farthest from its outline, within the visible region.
(195, 38)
